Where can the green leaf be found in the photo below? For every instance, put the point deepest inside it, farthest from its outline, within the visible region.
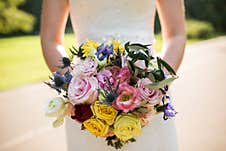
(132, 140)
(110, 143)
(73, 50)
(161, 84)
(118, 145)
(131, 66)
(59, 121)
(137, 51)
(159, 63)
(142, 110)
(143, 103)
(138, 46)
(77, 52)
(151, 76)
(126, 46)
(136, 72)
(158, 74)
(166, 65)
(146, 63)
(102, 95)
(160, 108)
(135, 55)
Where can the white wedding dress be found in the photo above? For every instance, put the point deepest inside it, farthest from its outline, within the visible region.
(131, 20)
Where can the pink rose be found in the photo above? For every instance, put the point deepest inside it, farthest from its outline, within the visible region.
(124, 74)
(152, 96)
(120, 74)
(103, 77)
(87, 67)
(115, 71)
(83, 90)
(128, 99)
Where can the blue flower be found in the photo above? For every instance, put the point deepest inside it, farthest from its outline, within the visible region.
(103, 51)
(68, 77)
(58, 79)
(169, 110)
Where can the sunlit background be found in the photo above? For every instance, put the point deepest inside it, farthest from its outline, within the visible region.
(22, 69)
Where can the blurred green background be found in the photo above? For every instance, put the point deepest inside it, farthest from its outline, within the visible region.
(21, 59)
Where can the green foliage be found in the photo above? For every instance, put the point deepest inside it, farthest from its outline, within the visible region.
(213, 11)
(14, 20)
(166, 65)
(137, 52)
(198, 29)
(33, 7)
(157, 85)
(22, 56)
(116, 143)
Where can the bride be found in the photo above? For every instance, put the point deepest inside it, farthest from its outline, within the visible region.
(127, 20)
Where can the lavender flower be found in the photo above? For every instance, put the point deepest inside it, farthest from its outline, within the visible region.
(169, 110)
(104, 51)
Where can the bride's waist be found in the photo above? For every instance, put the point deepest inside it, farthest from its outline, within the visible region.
(124, 36)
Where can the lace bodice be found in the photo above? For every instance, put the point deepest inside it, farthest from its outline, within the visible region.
(128, 20)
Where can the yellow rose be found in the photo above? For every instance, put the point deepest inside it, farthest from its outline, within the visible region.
(127, 126)
(96, 126)
(104, 112)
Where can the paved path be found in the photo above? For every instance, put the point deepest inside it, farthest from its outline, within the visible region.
(200, 95)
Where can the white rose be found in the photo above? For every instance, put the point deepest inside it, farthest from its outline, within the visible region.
(55, 107)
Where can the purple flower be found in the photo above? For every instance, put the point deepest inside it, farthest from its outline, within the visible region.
(169, 110)
(104, 51)
(103, 77)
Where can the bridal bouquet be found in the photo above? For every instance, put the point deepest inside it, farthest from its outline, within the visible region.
(111, 89)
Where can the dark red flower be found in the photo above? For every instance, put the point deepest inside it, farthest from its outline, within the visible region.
(82, 112)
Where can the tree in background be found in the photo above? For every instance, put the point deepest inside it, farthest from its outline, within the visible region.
(33, 7)
(213, 11)
(12, 19)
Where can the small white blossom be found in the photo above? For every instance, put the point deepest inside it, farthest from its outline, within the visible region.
(55, 107)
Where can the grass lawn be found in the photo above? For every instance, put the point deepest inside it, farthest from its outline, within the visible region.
(21, 60)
